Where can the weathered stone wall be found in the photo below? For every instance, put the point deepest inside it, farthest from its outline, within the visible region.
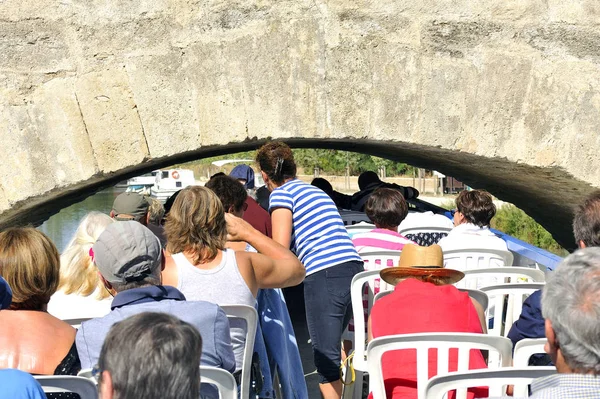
(91, 89)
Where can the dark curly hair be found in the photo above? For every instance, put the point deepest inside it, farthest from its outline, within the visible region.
(230, 191)
(277, 161)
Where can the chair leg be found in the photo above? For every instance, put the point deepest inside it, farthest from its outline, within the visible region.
(358, 385)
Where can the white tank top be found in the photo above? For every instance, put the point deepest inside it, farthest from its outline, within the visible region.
(223, 285)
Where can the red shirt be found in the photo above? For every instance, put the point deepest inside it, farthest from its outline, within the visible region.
(418, 307)
(257, 217)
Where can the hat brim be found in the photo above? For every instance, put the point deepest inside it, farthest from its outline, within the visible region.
(393, 275)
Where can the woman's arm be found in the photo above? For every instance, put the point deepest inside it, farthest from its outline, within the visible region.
(274, 266)
(281, 222)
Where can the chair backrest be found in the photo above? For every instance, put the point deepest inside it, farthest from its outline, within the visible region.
(359, 228)
(249, 314)
(515, 294)
(358, 306)
(85, 388)
(352, 217)
(424, 229)
(524, 349)
(443, 342)
(86, 373)
(76, 323)
(475, 278)
(222, 379)
(478, 295)
(496, 380)
(375, 260)
(476, 258)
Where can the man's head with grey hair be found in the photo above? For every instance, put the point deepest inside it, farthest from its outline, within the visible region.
(571, 308)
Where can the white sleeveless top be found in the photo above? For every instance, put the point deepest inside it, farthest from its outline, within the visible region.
(223, 285)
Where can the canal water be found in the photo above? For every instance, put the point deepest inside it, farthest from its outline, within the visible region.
(61, 227)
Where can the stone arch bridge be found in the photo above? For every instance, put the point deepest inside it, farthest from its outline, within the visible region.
(504, 95)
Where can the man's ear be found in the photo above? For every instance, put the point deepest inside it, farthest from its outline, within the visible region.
(581, 244)
(105, 389)
(551, 346)
(112, 214)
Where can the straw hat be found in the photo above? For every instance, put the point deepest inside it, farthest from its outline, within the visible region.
(422, 262)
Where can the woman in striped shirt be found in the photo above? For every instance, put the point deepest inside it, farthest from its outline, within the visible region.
(305, 219)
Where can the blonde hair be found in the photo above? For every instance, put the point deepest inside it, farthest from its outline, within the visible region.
(156, 211)
(29, 262)
(78, 274)
(196, 223)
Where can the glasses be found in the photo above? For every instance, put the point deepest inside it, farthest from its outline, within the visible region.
(96, 372)
(453, 212)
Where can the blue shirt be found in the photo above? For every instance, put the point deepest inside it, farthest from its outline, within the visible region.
(207, 317)
(319, 238)
(18, 384)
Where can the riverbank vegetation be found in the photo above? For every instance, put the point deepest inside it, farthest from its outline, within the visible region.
(329, 162)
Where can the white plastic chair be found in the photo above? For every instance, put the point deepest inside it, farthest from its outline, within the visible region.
(352, 217)
(249, 314)
(359, 228)
(85, 388)
(516, 294)
(476, 277)
(524, 349)
(376, 260)
(496, 380)
(360, 339)
(476, 258)
(76, 323)
(443, 342)
(527, 347)
(222, 379)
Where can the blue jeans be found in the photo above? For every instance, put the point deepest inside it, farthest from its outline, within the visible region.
(328, 312)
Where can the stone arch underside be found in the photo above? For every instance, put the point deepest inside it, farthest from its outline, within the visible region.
(504, 95)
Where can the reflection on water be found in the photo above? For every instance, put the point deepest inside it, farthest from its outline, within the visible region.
(61, 227)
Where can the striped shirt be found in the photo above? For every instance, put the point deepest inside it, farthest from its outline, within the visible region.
(371, 241)
(379, 240)
(319, 238)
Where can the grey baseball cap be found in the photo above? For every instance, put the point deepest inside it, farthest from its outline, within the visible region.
(126, 252)
(130, 203)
